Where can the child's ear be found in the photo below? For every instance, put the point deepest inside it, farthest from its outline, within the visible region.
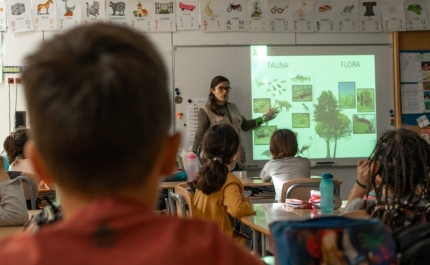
(31, 152)
(169, 153)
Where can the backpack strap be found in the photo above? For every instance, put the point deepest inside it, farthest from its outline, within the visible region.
(14, 174)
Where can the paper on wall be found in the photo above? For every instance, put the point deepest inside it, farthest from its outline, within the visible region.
(68, 14)
(235, 15)
(393, 16)
(347, 12)
(302, 16)
(45, 14)
(3, 26)
(187, 15)
(416, 15)
(257, 14)
(192, 112)
(370, 16)
(19, 15)
(93, 11)
(212, 16)
(140, 15)
(279, 16)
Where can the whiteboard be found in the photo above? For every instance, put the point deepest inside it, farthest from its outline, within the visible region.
(194, 68)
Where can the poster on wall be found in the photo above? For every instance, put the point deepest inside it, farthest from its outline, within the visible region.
(164, 19)
(68, 14)
(347, 12)
(416, 15)
(45, 14)
(302, 16)
(370, 16)
(141, 15)
(117, 12)
(19, 15)
(393, 16)
(187, 16)
(257, 15)
(235, 15)
(324, 16)
(3, 26)
(279, 16)
(212, 16)
(93, 11)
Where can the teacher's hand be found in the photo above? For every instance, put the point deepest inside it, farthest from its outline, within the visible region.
(271, 114)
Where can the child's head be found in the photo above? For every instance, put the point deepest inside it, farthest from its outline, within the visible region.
(220, 147)
(400, 168)
(283, 144)
(14, 144)
(99, 108)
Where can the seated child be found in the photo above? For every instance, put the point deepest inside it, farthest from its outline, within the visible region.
(283, 165)
(219, 193)
(13, 210)
(100, 113)
(398, 174)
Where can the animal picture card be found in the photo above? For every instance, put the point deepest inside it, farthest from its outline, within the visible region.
(212, 15)
(324, 16)
(68, 14)
(164, 18)
(416, 15)
(235, 15)
(141, 12)
(393, 16)
(347, 16)
(19, 15)
(257, 15)
(279, 16)
(117, 12)
(45, 14)
(93, 11)
(302, 15)
(3, 26)
(187, 15)
(370, 16)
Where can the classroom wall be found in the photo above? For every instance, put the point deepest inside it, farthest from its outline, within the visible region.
(17, 45)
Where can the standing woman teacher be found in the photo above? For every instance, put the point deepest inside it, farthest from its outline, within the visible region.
(218, 110)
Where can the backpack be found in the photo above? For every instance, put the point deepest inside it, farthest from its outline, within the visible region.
(333, 240)
(413, 244)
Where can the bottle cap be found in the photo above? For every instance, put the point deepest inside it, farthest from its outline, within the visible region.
(326, 176)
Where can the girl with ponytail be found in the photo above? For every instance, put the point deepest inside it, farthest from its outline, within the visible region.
(219, 193)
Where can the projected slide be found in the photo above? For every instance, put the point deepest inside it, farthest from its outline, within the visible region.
(327, 100)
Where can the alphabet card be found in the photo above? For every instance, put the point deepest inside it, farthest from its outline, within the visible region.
(279, 16)
(93, 11)
(370, 16)
(257, 12)
(393, 16)
(235, 15)
(3, 26)
(68, 14)
(187, 16)
(416, 15)
(19, 15)
(324, 16)
(212, 15)
(117, 12)
(45, 14)
(141, 13)
(302, 15)
(347, 16)
(164, 19)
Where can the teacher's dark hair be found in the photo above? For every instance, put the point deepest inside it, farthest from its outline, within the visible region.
(99, 107)
(220, 146)
(212, 99)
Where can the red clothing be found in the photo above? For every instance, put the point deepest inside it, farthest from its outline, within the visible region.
(123, 232)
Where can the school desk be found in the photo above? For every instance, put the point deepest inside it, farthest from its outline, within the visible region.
(267, 213)
(11, 230)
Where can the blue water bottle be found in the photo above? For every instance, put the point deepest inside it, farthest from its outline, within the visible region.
(326, 189)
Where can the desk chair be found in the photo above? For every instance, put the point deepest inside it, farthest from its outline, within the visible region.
(30, 190)
(30, 184)
(183, 196)
(301, 188)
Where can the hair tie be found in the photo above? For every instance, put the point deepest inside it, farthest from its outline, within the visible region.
(218, 159)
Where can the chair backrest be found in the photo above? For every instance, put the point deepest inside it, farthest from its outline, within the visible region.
(301, 188)
(28, 187)
(187, 195)
(35, 180)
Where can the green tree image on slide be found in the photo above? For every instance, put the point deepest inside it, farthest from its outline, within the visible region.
(332, 124)
(365, 100)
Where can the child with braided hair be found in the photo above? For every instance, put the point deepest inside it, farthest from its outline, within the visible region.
(219, 193)
(398, 174)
